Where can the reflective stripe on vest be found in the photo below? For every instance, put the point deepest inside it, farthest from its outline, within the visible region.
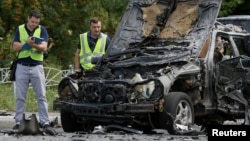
(33, 52)
(86, 54)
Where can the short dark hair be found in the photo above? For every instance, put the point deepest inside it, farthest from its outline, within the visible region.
(35, 13)
(94, 20)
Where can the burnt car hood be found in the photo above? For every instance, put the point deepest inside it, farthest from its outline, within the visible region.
(161, 31)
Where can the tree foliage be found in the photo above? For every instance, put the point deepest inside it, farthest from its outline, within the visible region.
(228, 7)
(65, 20)
(243, 8)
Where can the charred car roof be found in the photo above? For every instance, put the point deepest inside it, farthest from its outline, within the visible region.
(239, 20)
(162, 31)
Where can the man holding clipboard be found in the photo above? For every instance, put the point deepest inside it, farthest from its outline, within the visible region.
(30, 41)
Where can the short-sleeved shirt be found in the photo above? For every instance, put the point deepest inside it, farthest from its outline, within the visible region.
(92, 42)
(44, 35)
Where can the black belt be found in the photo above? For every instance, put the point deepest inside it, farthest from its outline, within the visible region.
(29, 65)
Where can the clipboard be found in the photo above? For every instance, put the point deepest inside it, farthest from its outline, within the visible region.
(37, 39)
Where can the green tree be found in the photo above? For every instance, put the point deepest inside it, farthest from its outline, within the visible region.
(228, 6)
(242, 9)
(64, 20)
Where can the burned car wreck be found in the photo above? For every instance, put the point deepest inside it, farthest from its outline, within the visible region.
(170, 65)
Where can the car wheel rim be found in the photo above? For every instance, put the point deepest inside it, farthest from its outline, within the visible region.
(184, 116)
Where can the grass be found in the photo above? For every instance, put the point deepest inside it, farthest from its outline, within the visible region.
(7, 100)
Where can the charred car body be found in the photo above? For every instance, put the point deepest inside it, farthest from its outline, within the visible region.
(170, 65)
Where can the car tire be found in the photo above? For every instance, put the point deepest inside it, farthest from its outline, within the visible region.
(68, 121)
(178, 110)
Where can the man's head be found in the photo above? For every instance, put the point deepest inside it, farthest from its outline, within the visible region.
(33, 19)
(95, 27)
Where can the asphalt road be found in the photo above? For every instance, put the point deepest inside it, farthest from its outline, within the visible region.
(7, 122)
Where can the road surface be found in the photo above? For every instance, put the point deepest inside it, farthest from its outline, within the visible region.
(7, 122)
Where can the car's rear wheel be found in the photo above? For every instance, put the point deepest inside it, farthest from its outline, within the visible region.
(178, 114)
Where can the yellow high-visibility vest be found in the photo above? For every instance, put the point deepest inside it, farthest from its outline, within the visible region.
(86, 53)
(33, 52)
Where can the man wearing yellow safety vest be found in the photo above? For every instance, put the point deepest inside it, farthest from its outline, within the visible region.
(92, 43)
(30, 41)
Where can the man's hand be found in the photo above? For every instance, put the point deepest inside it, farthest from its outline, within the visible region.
(31, 41)
(26, 46)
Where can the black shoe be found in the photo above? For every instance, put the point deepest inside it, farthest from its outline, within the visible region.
(49, 130)
(16, 127)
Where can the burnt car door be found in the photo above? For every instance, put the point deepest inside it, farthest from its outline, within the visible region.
(233, 76)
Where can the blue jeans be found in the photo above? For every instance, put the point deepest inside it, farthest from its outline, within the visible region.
(34, 75)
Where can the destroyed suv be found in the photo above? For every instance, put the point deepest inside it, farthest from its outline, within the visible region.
(170, 65)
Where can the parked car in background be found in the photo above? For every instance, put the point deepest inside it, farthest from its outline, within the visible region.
(170, 65)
